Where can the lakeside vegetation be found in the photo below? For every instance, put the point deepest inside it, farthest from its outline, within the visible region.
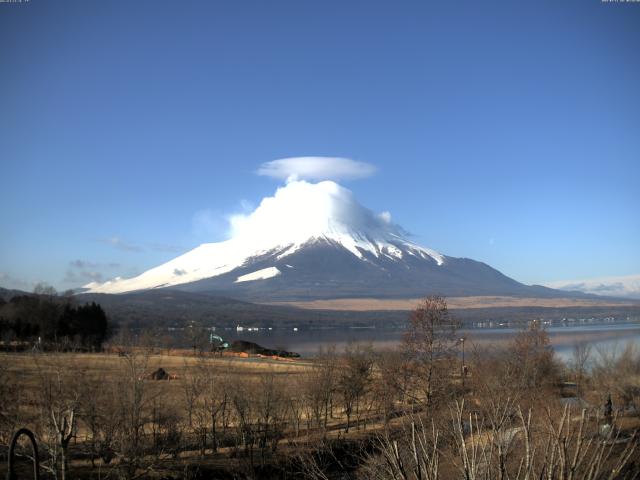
(417, 412)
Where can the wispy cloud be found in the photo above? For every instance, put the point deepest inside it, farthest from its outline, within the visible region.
(82, 276)
(9, 281)
(316, 168)
(121, 244)
(164, 247)
(83, 271)
(211, 225)
(623, 286)
(128, 246)
(88, 264)
(208, 224)
(385, 217)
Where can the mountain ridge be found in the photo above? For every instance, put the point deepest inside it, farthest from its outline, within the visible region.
(322, 270)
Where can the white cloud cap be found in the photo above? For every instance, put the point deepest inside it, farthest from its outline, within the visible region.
(316, 168)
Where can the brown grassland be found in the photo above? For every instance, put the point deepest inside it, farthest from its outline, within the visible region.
(377, 304)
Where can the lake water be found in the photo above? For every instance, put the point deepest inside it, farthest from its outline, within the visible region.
(602, 336)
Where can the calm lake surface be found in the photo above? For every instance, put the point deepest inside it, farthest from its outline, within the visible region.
(603, 336)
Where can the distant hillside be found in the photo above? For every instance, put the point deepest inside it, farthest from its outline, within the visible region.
(173, 307)
(164, 308)
(168, 307)
(7, 294)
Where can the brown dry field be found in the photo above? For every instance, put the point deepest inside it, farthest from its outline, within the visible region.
(29, 367)
(176, 363)
(366, 304)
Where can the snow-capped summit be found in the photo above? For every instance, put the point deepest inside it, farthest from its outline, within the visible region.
(314, 240)
(300, 213)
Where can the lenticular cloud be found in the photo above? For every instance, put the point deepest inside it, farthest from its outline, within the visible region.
(316, 168)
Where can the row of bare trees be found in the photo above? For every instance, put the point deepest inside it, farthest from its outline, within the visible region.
(506, 420)
(116, 416)
(565, 447)
(421, 415)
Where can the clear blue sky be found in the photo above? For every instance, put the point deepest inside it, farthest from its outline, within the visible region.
(507, 132)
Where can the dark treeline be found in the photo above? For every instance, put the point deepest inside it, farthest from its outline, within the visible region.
(49, 319)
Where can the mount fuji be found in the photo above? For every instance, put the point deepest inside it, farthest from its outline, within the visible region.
(315, 241)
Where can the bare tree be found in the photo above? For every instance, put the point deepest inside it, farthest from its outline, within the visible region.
(557, 446)
(130, 414)
(295, 403)
(64, 424)
(196, 336)
(618, 372)
(215, 403)
(198, 383)
(11, 415)
(354, 378)
(430, 340)
(270, 413)
(416, 456)
(532, 360)
(165, 420)
(193, 385)
(319, 386)
(242, 397)
(391, 383)
(580, 358)
(45, 290)
(59, 405)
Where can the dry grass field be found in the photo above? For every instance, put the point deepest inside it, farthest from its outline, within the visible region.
(108, 364)
(375, 304)
(113, 395)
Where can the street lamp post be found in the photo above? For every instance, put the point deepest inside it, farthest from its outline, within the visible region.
(462, 339)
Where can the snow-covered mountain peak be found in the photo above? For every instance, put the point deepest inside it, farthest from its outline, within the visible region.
(298, 214)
